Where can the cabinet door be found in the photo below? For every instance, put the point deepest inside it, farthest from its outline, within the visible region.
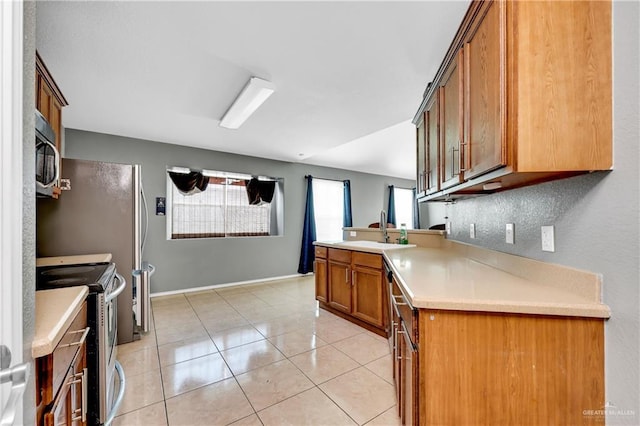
(78, 392)
(409, 376)
(484, 148)
(368, 304)
(451, 123)
(340, 286)
(59, 413)
(397, 357)
(432, 121)
(421, 157)
(44, 98)
(320, 266)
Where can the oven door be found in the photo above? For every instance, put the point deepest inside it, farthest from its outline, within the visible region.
(111, 401)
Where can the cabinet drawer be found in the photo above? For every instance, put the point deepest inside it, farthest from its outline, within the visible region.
(321, 252)
(405, 311)
(53, 368)
(367, 259)
(340, 255)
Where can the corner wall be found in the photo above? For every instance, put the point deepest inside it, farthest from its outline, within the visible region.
(28, 203)
(183, 264)
(596, 220)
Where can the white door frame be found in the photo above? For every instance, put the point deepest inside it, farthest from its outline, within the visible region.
(11, 143)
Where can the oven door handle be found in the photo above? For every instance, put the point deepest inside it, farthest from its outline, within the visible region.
(118, 401)
(118, 290)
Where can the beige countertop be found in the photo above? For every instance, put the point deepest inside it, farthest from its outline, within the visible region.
(55, 311)
(73, 260)
(441, 278)
(364, 246)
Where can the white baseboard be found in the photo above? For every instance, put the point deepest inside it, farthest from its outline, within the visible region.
(216, 286)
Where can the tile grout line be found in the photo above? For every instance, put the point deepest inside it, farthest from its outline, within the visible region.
(286, 357)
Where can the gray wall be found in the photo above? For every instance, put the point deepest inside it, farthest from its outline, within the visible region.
(596, 224)
(28, 204)
(185, 264)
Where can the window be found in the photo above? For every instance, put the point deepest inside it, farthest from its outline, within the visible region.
(404, 206)
(328, 204)
(222, 208)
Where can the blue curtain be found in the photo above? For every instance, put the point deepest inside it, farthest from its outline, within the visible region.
(416, 211)
(307, 253)
(347, 221)
(391, 209)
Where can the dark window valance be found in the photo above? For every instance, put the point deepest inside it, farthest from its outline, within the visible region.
(189, 183)
(260, 191)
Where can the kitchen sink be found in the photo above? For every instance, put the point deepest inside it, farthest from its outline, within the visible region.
(375, 244)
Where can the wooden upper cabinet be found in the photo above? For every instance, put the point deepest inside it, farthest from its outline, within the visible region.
(421, 157)
(525, 96)
(560, 54)
(484, 146)
(432, 120)
(50, 101)
(451, 123)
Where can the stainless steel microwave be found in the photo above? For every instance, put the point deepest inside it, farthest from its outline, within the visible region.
(47, 158)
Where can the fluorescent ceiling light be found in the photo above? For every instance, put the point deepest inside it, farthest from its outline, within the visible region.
(252, 96)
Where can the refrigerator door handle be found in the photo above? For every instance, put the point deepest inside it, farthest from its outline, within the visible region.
(145, 217)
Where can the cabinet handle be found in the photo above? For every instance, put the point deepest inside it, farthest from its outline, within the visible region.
(466, 155)
(80, 342)
(407, 337)
(353, 277)
(84, 395)
(453, 161)
(346, 275)
(395, 300)
(393, 328)
(395, 343)
(82, 379)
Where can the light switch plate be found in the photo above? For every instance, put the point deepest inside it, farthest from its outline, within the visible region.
(472, 230)
(510, 234)
(448, 228)
(548, 239)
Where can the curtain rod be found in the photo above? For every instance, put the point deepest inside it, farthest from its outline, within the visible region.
(335, 180)
(402, 187)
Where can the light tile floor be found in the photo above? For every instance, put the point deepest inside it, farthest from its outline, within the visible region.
(255, 355)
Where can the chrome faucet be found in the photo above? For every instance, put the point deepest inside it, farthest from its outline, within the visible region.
(383, 226)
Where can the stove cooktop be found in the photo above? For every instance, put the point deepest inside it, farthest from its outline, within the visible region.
(97, 276)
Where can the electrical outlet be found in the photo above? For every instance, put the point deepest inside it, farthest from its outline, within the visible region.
(353, 234)
(448, 228)
(472, 230)
(510, 234)
(548, 241)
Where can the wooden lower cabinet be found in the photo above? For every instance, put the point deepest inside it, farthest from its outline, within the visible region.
(61, 379)
(368, 295)
(476, 368)
(320, 270)
(67, 409)
(340, 286)
(408, 389)
(352, 284)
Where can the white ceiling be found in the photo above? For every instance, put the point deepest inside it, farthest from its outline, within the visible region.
(349, 76)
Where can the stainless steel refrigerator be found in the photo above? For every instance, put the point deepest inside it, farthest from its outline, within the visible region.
(103, 210)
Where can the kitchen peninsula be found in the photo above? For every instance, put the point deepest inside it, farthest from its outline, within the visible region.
(477, 336)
